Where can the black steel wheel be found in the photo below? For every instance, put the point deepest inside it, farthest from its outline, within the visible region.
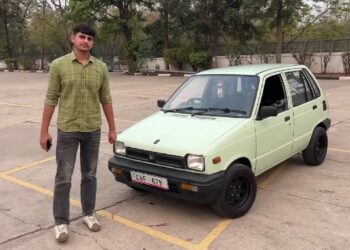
(316, 151)
(239, 192)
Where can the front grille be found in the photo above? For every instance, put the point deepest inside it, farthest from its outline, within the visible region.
(162, 159)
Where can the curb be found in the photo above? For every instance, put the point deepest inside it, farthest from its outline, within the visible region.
(344, 78)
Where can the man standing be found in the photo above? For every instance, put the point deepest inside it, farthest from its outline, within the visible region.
(79, 83)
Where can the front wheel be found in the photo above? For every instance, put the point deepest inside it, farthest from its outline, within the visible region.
(316, 151)
(239, 192)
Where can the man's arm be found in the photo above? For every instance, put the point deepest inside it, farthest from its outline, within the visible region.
(51, 100)
(44, 132)
(108, 110)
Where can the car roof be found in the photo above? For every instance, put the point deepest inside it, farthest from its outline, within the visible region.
(250, 69)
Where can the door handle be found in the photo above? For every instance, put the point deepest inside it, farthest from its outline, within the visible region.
(287, 118)
(314, 107)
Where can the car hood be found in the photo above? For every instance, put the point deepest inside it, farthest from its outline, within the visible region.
(177, 134)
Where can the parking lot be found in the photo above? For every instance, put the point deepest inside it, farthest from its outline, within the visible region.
(297, 206)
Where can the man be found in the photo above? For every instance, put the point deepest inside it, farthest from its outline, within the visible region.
(79, 83)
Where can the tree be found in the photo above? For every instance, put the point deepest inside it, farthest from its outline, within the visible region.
(125, 14)
(14, 16)
(288, 14)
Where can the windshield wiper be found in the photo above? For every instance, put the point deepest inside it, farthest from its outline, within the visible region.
(228, 110)
(183, 109)
(225, 110)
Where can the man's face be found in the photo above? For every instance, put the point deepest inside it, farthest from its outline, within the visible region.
(83, 42)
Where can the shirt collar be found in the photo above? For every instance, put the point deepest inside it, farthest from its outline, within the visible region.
(73, 57)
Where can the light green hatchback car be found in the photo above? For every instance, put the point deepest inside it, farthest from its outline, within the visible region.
(222, 128)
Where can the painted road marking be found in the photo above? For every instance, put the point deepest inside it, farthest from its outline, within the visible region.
(19, 122)
(277, 171)
(216, 232)
(338, 110)
(129, 223)
(204, 244)
(29, 166)
(16, 105)
(142, 90)
(127, 121)
(339, 150)
(149, 230)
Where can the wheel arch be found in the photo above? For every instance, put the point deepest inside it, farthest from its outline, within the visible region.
(243, 160)
(324, 124)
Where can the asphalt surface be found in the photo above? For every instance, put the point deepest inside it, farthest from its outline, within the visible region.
(297, 206)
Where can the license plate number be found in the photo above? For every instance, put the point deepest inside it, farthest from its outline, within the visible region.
(150, 180)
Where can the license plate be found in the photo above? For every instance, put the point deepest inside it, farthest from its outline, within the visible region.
(150, 180)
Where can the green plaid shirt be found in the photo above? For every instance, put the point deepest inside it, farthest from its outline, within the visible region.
(79, 90)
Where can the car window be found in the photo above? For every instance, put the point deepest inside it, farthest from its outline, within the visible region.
(309, 92)
(274, 94)
(313, 84)
(193, 91)
(297, 87)
(234, 95)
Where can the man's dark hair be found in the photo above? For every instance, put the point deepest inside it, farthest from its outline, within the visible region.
(85, 29)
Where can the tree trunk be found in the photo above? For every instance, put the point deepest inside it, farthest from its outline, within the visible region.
(215, 32)
(42, 65)
(7, 34)
(279, 32)
(166, 29)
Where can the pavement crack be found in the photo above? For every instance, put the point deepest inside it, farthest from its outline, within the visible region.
(22, 235)
(90, 237)
(305, 198)
(158, 225)
(33, 232)
(340, 122)
(345, 162)
(120, 202)
(4, 211)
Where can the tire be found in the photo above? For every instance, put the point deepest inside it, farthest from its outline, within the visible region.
(239, 192)
(316, 151)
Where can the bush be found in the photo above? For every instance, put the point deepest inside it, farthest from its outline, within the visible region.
(200, 60)
(27, 63)
(10, 63)
(176, 56)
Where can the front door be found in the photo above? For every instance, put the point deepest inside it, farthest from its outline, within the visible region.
(274, 135)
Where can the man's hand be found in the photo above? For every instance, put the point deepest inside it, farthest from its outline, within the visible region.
(43, 140)
(112, 136)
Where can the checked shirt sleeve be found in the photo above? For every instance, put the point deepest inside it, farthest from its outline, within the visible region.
(104, 92)
(53, 90)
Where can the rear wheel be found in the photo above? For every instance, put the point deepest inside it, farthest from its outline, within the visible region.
(239, 192)
(316, 151)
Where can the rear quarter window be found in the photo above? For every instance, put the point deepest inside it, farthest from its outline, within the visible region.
(313, 84)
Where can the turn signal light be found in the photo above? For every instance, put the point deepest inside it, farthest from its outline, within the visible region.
(189, 187)
(117, 171)
(217, 160)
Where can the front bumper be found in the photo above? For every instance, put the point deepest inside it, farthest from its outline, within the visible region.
(209, 186)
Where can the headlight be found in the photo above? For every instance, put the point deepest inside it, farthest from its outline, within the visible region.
(119, 148)
(195, 162)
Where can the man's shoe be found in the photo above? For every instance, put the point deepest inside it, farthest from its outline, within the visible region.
(92, 223)
(61, 232)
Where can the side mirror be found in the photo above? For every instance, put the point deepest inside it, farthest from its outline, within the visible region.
(267, 111)
(160, 103)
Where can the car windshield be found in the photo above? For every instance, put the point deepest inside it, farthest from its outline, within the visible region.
(219, 95)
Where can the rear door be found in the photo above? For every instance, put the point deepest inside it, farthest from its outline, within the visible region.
(306, 106)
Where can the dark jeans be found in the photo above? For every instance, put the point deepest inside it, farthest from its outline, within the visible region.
(66, 151)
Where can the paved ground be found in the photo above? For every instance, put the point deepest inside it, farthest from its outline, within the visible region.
(297, 207)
